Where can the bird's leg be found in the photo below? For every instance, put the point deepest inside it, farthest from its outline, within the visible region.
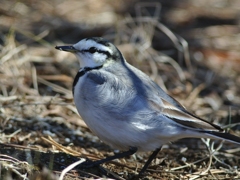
(89, 164)
(153, 155)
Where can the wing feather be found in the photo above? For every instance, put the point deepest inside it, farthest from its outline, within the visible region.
(187, 119)
(162, 103)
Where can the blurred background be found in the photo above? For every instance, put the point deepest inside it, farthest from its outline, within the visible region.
(189, 47)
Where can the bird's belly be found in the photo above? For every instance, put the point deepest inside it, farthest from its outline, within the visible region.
(120, 133)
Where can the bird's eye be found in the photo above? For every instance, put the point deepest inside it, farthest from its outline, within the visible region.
(92, 50)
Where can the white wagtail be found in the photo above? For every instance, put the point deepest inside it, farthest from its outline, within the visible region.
(125, 108)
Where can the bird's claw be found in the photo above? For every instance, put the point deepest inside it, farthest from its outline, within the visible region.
(88, 164)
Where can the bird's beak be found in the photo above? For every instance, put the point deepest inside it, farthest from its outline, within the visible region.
(66, 48)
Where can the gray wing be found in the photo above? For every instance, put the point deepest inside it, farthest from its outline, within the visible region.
(171, 108)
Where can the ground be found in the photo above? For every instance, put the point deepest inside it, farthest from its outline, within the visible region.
(190, 48)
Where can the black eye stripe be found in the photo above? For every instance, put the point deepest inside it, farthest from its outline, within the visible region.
(93, 50)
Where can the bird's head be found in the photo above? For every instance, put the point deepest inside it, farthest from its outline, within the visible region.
(93, 52)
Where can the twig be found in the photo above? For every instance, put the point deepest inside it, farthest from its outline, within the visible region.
(14, 133)
(55, 87)
(70, 167)
(34, 78)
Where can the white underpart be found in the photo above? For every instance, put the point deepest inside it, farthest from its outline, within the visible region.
(141, 126)
(88, 59)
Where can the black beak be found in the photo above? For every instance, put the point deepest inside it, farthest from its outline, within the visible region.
(66, 48)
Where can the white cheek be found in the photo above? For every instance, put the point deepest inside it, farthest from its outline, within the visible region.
(91, 60)
(86, 60)
(99, 58)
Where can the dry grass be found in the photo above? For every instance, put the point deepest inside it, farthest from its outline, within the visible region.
(42, 136)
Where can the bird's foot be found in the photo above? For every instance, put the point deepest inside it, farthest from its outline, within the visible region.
(88, 164)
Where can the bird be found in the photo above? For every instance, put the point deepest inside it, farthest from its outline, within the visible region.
(126, 109)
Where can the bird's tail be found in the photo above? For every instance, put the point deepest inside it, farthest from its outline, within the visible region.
(224, 136)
